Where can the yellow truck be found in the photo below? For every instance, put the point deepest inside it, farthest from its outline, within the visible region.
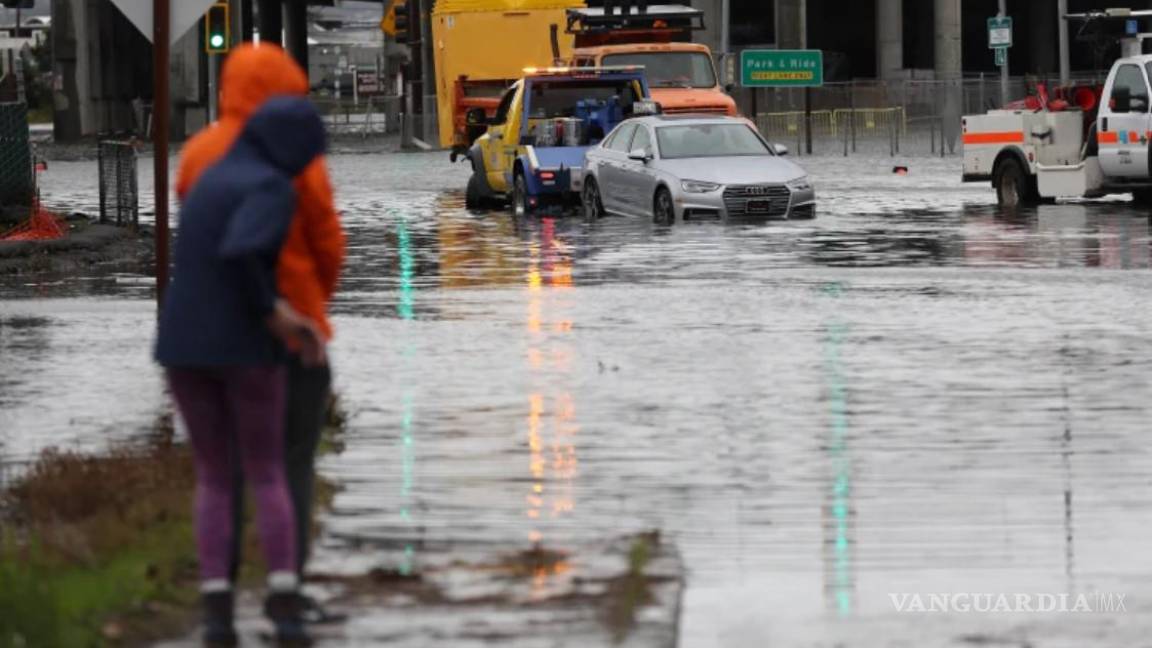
(481, 47)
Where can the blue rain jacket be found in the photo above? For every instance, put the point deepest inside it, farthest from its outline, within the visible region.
(231, 229)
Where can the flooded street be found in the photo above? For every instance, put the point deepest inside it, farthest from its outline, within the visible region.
(914, 393)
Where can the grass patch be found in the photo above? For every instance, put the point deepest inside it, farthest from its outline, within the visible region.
(87, 540)
(632, 590)
(98, 550)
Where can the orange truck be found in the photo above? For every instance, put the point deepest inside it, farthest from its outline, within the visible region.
(681, 74)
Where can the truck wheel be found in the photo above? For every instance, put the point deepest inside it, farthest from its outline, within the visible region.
(663, 210)
(474, 197)
(520, 206)
(1015, 187)
(593, 205)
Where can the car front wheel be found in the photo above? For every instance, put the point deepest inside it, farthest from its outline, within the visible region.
(663, 209)
(593, 204)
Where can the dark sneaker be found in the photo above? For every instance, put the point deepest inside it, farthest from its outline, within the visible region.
(219, 631)
(315, 614)
(286, 611)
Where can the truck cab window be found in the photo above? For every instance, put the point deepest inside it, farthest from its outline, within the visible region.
(1131, 79)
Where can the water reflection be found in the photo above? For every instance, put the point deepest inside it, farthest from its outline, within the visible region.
(552, 424)
(406, 310)
(839, 512)
(1065, 235)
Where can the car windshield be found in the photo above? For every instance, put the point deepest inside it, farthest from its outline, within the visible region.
(709, 140)
(670, 69)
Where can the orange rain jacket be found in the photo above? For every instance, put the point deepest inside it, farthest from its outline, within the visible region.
(310, 261)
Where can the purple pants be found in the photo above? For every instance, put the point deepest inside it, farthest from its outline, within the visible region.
(241, 408)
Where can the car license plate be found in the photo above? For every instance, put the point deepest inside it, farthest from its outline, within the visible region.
(759, 206)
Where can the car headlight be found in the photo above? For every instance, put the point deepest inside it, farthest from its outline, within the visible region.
(696, 186)
(802, 183)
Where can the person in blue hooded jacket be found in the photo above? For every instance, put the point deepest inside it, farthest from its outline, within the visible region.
(221, 340)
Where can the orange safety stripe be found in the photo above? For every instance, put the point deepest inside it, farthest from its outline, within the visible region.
(1007, 137)
(1107, 137)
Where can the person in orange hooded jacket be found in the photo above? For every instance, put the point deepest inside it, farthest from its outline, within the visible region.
(309, 264)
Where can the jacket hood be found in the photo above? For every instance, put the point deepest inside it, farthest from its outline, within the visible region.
(253, 74)
(288, 132)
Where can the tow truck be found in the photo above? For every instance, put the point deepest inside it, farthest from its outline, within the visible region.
(658, 37)
(1082, 141)
(533, 150)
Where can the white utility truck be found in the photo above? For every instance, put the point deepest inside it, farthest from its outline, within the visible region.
(1090, 142)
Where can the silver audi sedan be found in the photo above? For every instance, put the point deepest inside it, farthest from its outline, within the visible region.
(679, 168)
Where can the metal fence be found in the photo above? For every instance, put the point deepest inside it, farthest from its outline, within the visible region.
(119, 195)
(364, 116)
(901, 116)
(17, 181)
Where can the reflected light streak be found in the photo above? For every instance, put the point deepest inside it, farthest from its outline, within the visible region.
(406, 309)
(841, 503)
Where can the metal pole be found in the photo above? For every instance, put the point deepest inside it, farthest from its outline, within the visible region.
(213, 91)
(1062, 29)
(1004, 68)
(160, 117)
(725, 29)
(808, 120)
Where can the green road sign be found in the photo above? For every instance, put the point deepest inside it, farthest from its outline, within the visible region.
(781, 68)
(1001, 56)
(1000, 32)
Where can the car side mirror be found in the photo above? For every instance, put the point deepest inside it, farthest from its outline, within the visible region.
(640, 155)
(729, 87)
(780, 149)
(1121, 100)
(476, 117)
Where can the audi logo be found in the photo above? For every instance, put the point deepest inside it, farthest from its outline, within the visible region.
(757, 191)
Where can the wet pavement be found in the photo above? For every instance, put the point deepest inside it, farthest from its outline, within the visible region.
(914, 393)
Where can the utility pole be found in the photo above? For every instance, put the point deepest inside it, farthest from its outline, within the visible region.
(807, 89)
(160, 115)
(1004, 68)
(1062, 27)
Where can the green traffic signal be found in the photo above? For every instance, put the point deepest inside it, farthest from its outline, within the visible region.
(217, 28)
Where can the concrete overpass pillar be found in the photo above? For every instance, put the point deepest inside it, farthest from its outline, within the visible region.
(889, 37)
(296, 31)
(271, 21)
(790, 24)
(949, 70)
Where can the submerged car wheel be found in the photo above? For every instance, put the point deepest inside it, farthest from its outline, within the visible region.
(520, 205)
(593, 205)
(1014, 186)
(663, 211)
(474, 196)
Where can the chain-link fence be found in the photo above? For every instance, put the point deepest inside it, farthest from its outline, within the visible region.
(16, 176)
(867, 116)
(119, 195)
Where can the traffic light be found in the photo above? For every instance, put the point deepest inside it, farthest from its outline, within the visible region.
(404, 23)
(217, 29)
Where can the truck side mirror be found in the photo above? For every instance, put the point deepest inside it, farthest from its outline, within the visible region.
(476, 117)
(1121, 99)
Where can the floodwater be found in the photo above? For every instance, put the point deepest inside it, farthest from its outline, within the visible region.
(914, 394)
